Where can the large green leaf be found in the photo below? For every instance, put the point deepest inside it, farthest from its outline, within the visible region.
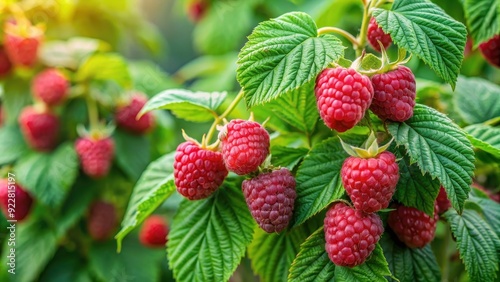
(482, 18)
(477, 243)
(287, 156)
(208, 237)
(425, 30)
(105, 66)
(374, 269)
(12, 144)
(491, 210)
(132, 153)
(440, 148)
(155, 186)
(192, 106)
(477, 100)
(485, 137)
(283, 54)
(49, 176)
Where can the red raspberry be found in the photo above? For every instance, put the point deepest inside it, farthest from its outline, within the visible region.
(350, 234)
(442, 201)
(20, 200)
(395, 92)
(375, 33)
(245, 146)
(50, 86)
(343, 95)
(154, 232)
(40, 128)
(126, 116)
(102, 220)
(413, 227)
(96, 155)
(370, 183)
(21, 43)
(197, 9)
(5, 64)
(491, 50)
(198, 172)
(270, 198)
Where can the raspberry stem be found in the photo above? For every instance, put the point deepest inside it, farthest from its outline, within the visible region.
(92, 109)
(347, 35)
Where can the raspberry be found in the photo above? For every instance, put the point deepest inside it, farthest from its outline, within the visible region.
(40, 128)
(96, 155)
(343, 95)
(5, 64)
(101, 220)
(125, 116)
(270, 198)
(491, 50)
(21, 43)
(394, 97)
(350, 234)
(413, 227)
(442, 201)
(197, 9)
(154, 232)
(370, 183)
(20, 200)
(50, 86)
(375, 33)
(198, 172)
(245, 146)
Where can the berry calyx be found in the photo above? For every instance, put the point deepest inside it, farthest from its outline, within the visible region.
(154, 232)
(376, 34)
(96, 155)
(126, 116)
(351, 235)
(270, 197)
(412, 226)
(50, 86)
(40, 128)
(491, 50)
(198, 172)
(101, 220)
(245, 145)
(13, 193)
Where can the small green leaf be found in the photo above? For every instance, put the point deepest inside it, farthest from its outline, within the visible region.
(440, 148)
(287, 156)
(283, 54)
(477, 100)
(132, 153)
(208, 237)
(482, 18)
(49, 176)
(191, 106)
(485, 137)
(426, 31)
(105, 66)
(148, 78)
(312, 262)
(155, 186)
(70, 53)
(374, 269)
(477, 243)
(12, 144)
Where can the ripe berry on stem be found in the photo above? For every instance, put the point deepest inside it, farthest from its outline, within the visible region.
(154, 232)
(50, 86)
(126, 115)
(412, 226)
(22, 200)
(40, 127)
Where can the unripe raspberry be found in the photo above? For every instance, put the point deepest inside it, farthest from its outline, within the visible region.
(351, 235)
(125, 116)
(343, 95)
(50, 86)
(375, 34)
(154, 232)
(491, 50)
(198, 172)
(40, 128)
(14, 197)
(245, 146)
(101, 220)
(96, 155)
(412, 226)
(270, 198)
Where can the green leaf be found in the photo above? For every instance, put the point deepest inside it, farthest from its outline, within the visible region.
(49, 176)
(148, 78)
(66, 266)
(155, 186)
(491, 210)
(12, 144)
(312, 262)
(191, 106)
(406, 264)
(482, 18)
(485, 137)
(426, 31)
(374, 269)
(287, 156)
(132, 153)
(272, 254)
(298, 108)
(208, 237)
(477, 100)
(105, 66)
(283, 54)
(440, 148)
(70, 53)
(478, 245)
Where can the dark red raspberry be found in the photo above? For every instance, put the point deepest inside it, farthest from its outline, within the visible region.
(395, 92)
(350, 234)
(40, 128)
(21, 43)
(14, 197)
(198, 172)
(442, 201)
(101, 220)
(5, 64)
(154, 232)
(370, 183)
(50, 86)
(491, 50)
(126, 116)
(343, 95)
(270, 198)
(96, 155)
(413, 227)
(245, 146)
(375, 33)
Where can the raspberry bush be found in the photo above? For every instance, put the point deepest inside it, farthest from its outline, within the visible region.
(302, 145)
